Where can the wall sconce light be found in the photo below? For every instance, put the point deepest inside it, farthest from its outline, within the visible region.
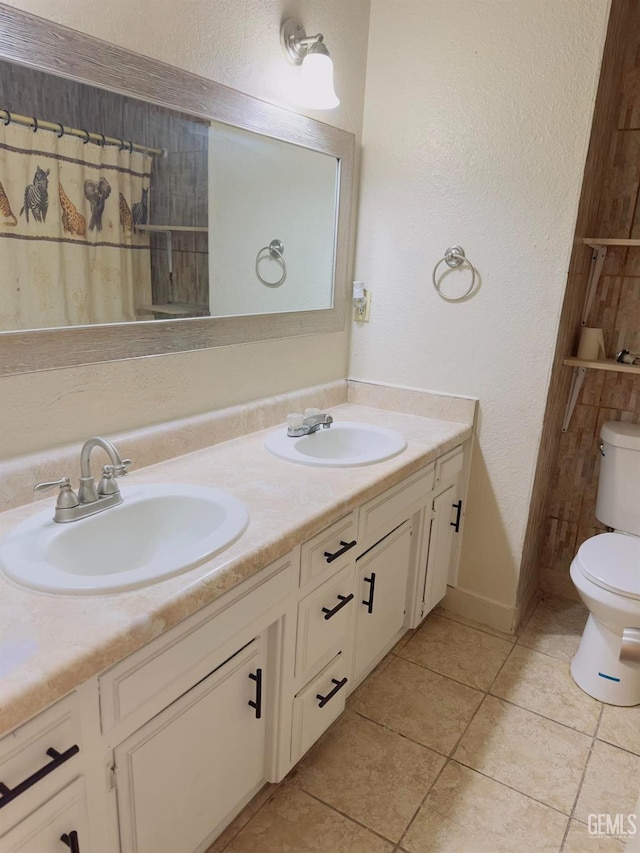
(316, 74)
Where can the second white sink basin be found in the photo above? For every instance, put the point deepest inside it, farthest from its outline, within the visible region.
(345, 444)
(158, 531)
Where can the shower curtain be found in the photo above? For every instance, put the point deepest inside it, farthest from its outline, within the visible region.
(70, 252)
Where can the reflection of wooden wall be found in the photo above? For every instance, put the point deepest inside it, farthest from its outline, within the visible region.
(563, 501)
(178, 192)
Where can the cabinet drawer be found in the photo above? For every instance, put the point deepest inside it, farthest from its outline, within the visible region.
(449, 465)
(64, 814)
(318, 555)
(38, 758)
(324, 621)
(153, 677)
(311, 714)
(380, 515)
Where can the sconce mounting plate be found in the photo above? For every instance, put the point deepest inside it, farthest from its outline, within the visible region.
(293, 39)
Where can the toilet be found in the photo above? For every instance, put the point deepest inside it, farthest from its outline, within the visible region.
(606, 573)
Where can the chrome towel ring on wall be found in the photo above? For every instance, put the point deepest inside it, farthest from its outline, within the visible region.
(453, 258)
(275, 250)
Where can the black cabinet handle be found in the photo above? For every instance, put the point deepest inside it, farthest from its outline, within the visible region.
(458, 507)
(346, 546)
(369, 602)
(338, 686)
(344, 599)
(257, 677)
(7, 794)
(71, 840)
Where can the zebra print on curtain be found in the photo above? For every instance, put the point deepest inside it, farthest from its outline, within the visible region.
(70, 253)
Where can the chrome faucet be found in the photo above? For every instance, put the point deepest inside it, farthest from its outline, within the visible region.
(89, 499)
(310, 425)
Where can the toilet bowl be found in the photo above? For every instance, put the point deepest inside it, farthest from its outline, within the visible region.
(606, 573)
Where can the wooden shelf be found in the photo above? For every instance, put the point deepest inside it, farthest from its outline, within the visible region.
(195, 229)
(608, 241)
(610, 365)
(175, 308)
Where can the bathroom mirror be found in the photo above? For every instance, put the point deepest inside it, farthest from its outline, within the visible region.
(166, 207)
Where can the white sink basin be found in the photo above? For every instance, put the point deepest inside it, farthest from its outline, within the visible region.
(157, 531)
(344, 445)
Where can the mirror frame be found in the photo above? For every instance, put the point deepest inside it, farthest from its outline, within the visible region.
(40, 44)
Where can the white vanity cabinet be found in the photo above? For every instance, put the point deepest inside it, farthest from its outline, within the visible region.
(183, 772)
(158, 753)
(382, 576)
(443, 528)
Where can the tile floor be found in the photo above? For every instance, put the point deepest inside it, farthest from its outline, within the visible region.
(463, 739)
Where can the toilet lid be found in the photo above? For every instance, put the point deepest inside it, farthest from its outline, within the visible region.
(612, 561)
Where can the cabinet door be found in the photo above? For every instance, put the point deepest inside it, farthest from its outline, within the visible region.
(183, 772)
(63, 816)
(381, 597)
(445, 510)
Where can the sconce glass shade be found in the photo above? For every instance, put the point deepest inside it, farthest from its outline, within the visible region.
(316, 79)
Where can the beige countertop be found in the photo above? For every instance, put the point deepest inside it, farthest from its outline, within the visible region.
(49, 644)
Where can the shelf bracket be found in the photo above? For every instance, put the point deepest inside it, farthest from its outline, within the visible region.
(576, 386)
(598, 255)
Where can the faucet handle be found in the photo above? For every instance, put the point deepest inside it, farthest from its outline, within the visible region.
(67, 498)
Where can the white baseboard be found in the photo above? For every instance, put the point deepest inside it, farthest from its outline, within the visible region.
(484, 610)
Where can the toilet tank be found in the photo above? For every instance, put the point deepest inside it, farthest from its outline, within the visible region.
(618, 502)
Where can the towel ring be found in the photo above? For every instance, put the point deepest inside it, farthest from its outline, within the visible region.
(453, 258)
(275, 250)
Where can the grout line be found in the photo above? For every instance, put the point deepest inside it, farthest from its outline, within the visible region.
(400, 734)
(582, 778)
(277, 786)
(477, 627)
(442, 675)
(348, 817)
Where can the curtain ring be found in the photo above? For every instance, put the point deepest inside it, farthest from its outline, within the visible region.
(130, 146)
(8, 117)
(122, 145)
(86, 135)
(104, 141)
(35, 124)
(61, 133)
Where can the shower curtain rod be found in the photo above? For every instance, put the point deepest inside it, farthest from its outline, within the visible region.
(62, 130)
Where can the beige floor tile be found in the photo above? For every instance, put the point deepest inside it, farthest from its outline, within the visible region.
(536, 756)
(555, 628)
(223, 840)
(544, 684)
(580, 840)
(402, 642)
(465, 811)
(455, 617)
(293, 822)
(611, 783)
(418, 703)
(370, 774)
(621, 727)
(457, 651)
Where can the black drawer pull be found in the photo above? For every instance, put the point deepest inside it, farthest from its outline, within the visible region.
(338, 686)
(71, 840)
(344, 599)
(346, 546)
(458, 507)
(369, 602)
(7, 794)
(257, 677)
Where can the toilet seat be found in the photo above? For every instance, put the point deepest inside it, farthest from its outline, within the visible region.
(612, 561)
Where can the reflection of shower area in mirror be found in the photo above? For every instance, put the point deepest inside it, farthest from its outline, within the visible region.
(272, 224)
(65, 268)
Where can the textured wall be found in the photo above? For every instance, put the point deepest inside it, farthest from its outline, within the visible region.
(494, 101)
(235, 42)
(608, 208)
